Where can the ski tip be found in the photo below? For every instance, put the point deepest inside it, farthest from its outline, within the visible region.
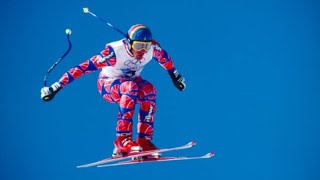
(87, 165)
(192, 143)
(210, 154)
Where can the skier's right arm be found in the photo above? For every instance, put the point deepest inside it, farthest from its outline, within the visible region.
(106, 58)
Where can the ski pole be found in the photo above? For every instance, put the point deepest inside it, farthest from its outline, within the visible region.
(86, 10)
(68, 32)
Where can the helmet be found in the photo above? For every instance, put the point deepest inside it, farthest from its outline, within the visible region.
(139, 32)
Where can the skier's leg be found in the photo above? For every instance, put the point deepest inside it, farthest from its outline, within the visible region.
(147, 100)
(128, 94)
(125, 94)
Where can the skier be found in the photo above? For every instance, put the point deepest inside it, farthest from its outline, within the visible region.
(120, 82)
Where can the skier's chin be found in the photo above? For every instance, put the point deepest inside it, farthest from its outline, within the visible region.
(138, 56)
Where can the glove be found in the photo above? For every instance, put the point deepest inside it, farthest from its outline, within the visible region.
(178, 80)
(48, 93)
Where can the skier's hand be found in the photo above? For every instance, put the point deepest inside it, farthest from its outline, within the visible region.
(178, 80)
(48, 93)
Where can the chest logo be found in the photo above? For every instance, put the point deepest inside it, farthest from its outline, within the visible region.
(133, 64)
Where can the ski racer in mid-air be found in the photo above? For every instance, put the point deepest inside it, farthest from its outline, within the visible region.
(121, 63)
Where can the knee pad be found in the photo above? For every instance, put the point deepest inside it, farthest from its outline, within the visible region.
(147, 92)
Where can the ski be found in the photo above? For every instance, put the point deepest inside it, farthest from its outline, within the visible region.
(161, 159)
(137, 154)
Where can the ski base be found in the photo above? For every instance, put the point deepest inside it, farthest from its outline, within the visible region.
(137, 155)
(161, 159)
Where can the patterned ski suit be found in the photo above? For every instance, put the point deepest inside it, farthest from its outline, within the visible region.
(120, 82)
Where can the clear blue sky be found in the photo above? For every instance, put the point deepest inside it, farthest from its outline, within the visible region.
(252, 97)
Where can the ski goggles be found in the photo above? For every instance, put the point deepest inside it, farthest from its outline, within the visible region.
(140, 45)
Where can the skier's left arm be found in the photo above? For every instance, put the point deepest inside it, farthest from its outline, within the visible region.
(166, 62)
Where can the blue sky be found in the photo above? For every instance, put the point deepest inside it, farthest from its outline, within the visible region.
(252, 97)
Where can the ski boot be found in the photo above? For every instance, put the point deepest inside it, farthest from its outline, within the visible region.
(124, 145)
(146, 145)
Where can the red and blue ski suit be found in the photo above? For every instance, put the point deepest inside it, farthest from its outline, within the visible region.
(120, 82)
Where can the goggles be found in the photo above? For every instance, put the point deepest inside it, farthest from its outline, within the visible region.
(140, 45)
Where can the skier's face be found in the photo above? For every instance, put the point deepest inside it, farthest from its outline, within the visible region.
(139, 48)
(138, 54)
